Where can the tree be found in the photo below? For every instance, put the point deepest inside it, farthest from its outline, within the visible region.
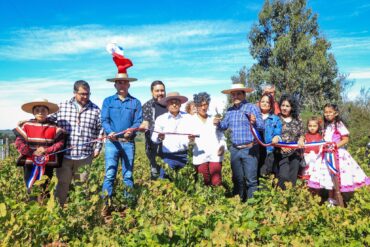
(293, 55)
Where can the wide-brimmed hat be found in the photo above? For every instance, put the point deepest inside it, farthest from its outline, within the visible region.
(173, 95)
(121, 62)
(121, 77)
(28, 107)
(237, 87)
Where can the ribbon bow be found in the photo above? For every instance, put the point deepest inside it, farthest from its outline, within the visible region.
(38, 169)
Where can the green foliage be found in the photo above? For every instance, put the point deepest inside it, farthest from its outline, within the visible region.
(179, 213)
(293, 55)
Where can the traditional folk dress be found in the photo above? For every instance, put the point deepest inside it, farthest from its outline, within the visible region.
(351, 175)
(312, 155)
(29, 136)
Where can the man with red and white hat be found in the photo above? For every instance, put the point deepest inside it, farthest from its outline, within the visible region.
(120, 112)
(244, 150)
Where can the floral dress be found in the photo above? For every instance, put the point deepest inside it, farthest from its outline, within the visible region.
(351, 175)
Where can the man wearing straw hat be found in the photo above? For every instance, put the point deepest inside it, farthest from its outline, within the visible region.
(120, 112)
(244, 150)
(172, 129)
(80, 117)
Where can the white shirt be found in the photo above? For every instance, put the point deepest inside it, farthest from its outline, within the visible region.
(208, 142)
(169, 123)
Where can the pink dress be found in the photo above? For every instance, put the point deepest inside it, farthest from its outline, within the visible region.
(351, 174)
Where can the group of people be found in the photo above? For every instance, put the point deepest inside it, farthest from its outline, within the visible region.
(70, 135)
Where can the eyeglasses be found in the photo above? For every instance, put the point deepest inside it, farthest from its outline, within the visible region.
(173, 102)
(84, 94)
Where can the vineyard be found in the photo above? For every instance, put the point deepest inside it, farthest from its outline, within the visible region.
(181, 212)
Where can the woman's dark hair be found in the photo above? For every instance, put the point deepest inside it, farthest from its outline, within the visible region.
(293, 103)
(201, 97)
(271, 102)
(337, 118)
(155, 83)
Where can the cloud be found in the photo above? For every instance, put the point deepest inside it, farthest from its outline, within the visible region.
(364, 74)
(59, 42)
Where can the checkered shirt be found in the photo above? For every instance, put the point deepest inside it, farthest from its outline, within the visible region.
(81, 126)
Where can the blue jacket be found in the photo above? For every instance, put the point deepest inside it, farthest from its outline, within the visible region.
(273, 128)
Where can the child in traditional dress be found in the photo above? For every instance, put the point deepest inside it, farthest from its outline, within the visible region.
(351, 176)
(36, 139)
(312, 155)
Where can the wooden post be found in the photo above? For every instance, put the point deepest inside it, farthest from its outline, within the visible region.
(1, 149)
(6, 147)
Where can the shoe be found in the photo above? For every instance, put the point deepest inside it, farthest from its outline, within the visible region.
(332, 203)
(105, 212)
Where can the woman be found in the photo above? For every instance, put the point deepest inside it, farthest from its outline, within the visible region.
(292, 131)
(210, 146)
(272, 133)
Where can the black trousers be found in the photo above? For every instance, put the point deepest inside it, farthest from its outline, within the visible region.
(152, 151)
(288, 166)
(28, 173)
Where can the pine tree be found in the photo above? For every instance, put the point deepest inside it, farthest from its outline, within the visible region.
(293, 55)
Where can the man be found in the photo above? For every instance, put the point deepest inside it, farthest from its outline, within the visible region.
(120, 112)
(270, 89)
(174, 122)
(81, 119)
(244, 151)
(151, 110)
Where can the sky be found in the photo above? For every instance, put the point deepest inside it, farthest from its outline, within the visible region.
(192, 46)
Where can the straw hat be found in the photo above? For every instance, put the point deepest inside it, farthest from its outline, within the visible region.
(28, 107)
(237, 87)
(173, 95)
(121, 76)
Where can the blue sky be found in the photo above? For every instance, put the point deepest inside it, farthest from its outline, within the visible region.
(192, 46)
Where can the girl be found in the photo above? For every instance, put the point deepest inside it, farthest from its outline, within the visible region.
(289, 159)
(312, 155)
(351, 176)
(37, 137)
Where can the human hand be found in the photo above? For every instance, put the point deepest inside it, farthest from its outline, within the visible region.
(221, 150)
(127, 134)
(275, 140)
(252, 119)
(112, 136)
(96, 154)
(301, 142)
(216, 120)
(161, 136)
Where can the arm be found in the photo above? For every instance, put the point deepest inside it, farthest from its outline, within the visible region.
(99, 144)
(277, 131)
(259, 124)
(58, 144)
(105, 118)
(224, 123)
(158, 127)
(23, 147)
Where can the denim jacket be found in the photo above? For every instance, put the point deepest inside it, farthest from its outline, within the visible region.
(273, 128)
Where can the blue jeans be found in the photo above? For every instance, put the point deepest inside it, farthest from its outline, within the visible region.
(175, 161)
(115, 151)
(244, 166)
